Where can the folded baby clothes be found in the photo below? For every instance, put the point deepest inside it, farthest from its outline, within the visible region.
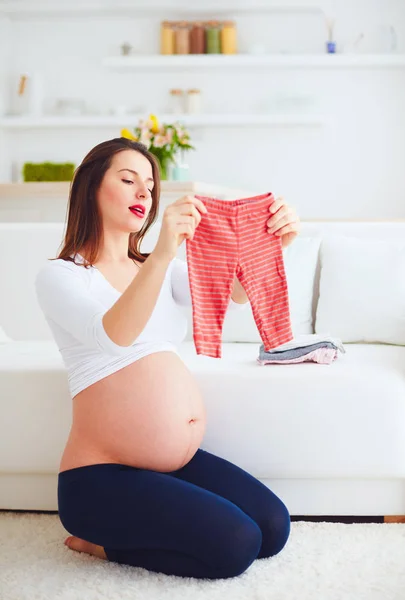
(323, 349)
(307, 339)
(274, 355)
(321, 355)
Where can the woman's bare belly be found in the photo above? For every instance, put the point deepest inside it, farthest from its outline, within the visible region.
(149, 415)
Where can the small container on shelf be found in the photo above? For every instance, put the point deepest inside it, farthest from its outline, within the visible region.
(167, 41)
(213, 37)
(125, 49)
(193, 101)
(182, 38)
(197, 38)
(228, 38)
(176, 101)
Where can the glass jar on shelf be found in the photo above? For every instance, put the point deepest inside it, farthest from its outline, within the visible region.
(182, 38)
(193, 101)
(176, 101)
(197, 38)
(228, 38)
(213, 37)
(166, 38)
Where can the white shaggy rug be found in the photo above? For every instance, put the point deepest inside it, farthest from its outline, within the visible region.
(321, 561)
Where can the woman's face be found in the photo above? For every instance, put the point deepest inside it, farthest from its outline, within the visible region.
(128, 182)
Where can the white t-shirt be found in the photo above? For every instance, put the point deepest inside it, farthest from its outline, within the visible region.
(74, 300)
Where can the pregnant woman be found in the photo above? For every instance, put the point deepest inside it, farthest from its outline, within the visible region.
(133, 486)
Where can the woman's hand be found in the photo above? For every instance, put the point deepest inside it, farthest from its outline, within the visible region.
(179, 223)
(284, 222)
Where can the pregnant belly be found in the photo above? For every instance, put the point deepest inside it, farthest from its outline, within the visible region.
(149, 415)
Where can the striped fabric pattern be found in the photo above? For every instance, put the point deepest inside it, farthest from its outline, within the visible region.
(232, 239)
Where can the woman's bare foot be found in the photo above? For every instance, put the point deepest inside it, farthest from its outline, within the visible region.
(75, 543)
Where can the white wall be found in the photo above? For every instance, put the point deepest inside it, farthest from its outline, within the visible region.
(350, 168)
(5, 52)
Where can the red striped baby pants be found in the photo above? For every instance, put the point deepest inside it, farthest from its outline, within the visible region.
(232, 239)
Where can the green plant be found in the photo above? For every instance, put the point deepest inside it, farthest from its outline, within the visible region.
(48, 171)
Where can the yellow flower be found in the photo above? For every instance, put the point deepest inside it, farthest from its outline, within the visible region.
(125, 133)
(155, 123)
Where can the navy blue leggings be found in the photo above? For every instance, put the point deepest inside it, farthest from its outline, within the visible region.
(209, 519)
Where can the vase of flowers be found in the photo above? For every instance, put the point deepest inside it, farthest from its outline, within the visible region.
(163, 140)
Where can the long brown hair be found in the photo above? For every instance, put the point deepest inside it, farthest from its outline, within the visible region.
(84, 227)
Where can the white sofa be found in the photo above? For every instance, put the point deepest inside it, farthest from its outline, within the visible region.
(328, 439)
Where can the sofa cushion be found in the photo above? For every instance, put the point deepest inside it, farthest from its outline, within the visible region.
(27, 247)
(362, 290)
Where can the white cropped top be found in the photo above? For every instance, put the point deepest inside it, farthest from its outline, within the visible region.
(74, 300)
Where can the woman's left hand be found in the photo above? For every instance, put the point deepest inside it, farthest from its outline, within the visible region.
(284, 222)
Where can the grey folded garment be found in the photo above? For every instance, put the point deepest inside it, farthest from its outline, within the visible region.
(293, 352)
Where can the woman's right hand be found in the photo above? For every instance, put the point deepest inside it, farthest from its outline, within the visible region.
(179, 222)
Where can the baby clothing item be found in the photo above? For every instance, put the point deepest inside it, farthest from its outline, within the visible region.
(307, 339)
(300, 349)
(232, 239)
(74, 300)
(321, 355)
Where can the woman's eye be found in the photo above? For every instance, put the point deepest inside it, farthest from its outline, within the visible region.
(129, 181)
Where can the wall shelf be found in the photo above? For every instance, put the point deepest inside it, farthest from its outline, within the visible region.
(201, 120)
(50, 190)
(159, 61)
(211, 8)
